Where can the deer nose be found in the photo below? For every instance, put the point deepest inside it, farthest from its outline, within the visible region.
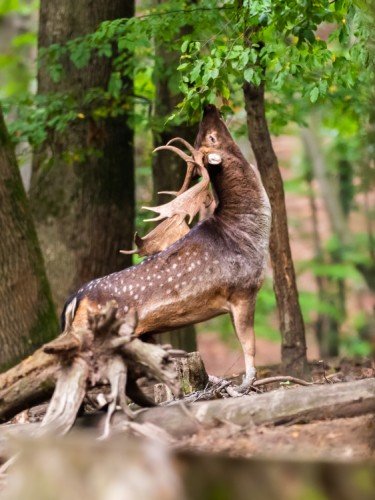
(209, 108)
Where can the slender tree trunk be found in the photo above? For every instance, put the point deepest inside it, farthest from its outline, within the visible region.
(334, 290)
(293, 348)
(82, 191)
(326, 326)
(328, 186)
(27, 315)
(168, 170)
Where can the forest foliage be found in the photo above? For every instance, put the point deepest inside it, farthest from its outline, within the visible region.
(316, 58)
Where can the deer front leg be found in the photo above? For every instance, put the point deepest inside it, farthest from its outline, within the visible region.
(242, 313)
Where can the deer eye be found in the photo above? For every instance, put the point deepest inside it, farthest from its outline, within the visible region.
(211, 139)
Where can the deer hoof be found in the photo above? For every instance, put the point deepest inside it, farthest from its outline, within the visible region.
(247, 382)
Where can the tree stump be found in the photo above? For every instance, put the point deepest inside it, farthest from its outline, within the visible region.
(191, 373)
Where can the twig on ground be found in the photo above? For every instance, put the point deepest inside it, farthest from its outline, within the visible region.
(281, 378)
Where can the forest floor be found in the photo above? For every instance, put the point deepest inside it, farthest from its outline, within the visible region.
(342, 439)
(321, 459)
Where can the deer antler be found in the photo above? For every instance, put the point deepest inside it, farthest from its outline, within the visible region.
(187, 202)
(162, 236)
(191, 167)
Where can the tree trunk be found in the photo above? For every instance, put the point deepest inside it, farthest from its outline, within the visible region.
(27, 316)
(293, 348)
(83, 203)
(333, 291)
(168, 170)
(328, 185)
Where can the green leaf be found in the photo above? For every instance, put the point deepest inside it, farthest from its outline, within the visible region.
(196, 71)
(314, 94)
(29, 38)
(308, 35)
(183, 66)
(80, 55)
(115, 84)
(185, 46)
(56, 72)
(106, 50)
(249, 74)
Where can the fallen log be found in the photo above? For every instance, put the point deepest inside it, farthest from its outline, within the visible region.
(29, 383)
(283, 406)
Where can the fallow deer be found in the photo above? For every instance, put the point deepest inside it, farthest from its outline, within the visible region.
(214, 268)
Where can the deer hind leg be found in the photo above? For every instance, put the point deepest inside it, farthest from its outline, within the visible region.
(242, 313)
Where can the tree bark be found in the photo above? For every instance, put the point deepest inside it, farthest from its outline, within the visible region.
(168, 170)
(27, 316)
(83, 208)
(293, 348)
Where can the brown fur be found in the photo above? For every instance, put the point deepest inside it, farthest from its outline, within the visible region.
(216, 268)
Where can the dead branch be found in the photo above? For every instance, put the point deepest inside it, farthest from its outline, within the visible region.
(280, 378)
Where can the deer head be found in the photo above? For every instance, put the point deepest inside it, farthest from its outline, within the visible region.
(213, 136)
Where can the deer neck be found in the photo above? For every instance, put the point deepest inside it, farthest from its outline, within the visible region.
(238, 189)
(243, 210)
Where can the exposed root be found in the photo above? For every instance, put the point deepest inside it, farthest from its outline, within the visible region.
(106, 354)
(68, 396)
